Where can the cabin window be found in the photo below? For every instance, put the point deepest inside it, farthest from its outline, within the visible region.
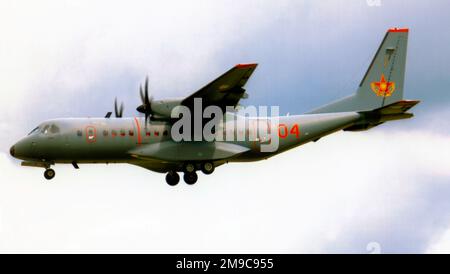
(147, 133)
(79, 133)
(131, 133)
(156, 133)
(113, 133)
(105, 133)
(165, 133)
(122, 132)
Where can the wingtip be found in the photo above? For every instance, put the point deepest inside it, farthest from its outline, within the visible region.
(398, 30)
(252, 65)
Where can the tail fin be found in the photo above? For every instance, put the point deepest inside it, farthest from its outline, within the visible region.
(383, 82)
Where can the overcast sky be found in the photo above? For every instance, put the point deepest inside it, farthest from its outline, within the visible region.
(386, 189)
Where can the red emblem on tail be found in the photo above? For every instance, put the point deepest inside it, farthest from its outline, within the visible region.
(383, 88)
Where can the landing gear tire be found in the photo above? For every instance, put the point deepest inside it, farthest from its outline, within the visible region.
(208, 168)
(190, 178)
(172, 178)
(49, 174)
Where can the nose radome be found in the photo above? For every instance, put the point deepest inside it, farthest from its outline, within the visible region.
(12, 150)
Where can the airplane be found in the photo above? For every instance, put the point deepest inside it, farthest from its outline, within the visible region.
(148, 142)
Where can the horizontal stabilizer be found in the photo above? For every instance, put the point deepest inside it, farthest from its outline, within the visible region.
(391, 112)
(397, 107)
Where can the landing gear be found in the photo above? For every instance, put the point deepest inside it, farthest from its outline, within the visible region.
(172, 178)
(49, 174)
(190, 177)
(208, 168)
(189, 168)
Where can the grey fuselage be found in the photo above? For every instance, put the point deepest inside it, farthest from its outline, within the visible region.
(113, 140)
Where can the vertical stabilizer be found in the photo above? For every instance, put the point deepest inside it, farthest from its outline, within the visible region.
(383, 81)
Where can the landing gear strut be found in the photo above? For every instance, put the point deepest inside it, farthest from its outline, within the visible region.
(190, 178)
(172, 178)
(49, 174)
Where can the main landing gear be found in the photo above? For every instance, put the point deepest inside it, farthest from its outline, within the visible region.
(208, 168)
(172, 178)
(190, 176)
(49, 173)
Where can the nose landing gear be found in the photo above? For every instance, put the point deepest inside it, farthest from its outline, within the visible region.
(49, 173)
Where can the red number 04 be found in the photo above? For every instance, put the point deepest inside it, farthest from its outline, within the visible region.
(283, 131)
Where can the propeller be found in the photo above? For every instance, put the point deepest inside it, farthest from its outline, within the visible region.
(146, 106)
(118, 110)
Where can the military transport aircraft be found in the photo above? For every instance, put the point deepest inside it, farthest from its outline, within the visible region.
(147, 141)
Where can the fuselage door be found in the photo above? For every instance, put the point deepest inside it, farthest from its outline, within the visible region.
(91, 134)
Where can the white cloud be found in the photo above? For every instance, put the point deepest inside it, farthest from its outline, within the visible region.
(55, 54)
(56, 51)
(441, 245)
(69, 45)
(311, 199)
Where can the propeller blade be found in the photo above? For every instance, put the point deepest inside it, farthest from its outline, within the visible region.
(146, 99)
(118, 111)
(146, 102)
(121, 110)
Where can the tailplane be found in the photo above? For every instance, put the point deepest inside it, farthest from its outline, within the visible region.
(382, 85)
(376, 117)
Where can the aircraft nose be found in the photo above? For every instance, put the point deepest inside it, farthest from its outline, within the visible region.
(21, 149)
(12, 150)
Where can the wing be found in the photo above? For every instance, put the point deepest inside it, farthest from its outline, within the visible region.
(226, 90)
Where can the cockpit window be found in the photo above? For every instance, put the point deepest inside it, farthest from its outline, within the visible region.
(44, 130)
(34, 130)
(50, 129)
(54, 129)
